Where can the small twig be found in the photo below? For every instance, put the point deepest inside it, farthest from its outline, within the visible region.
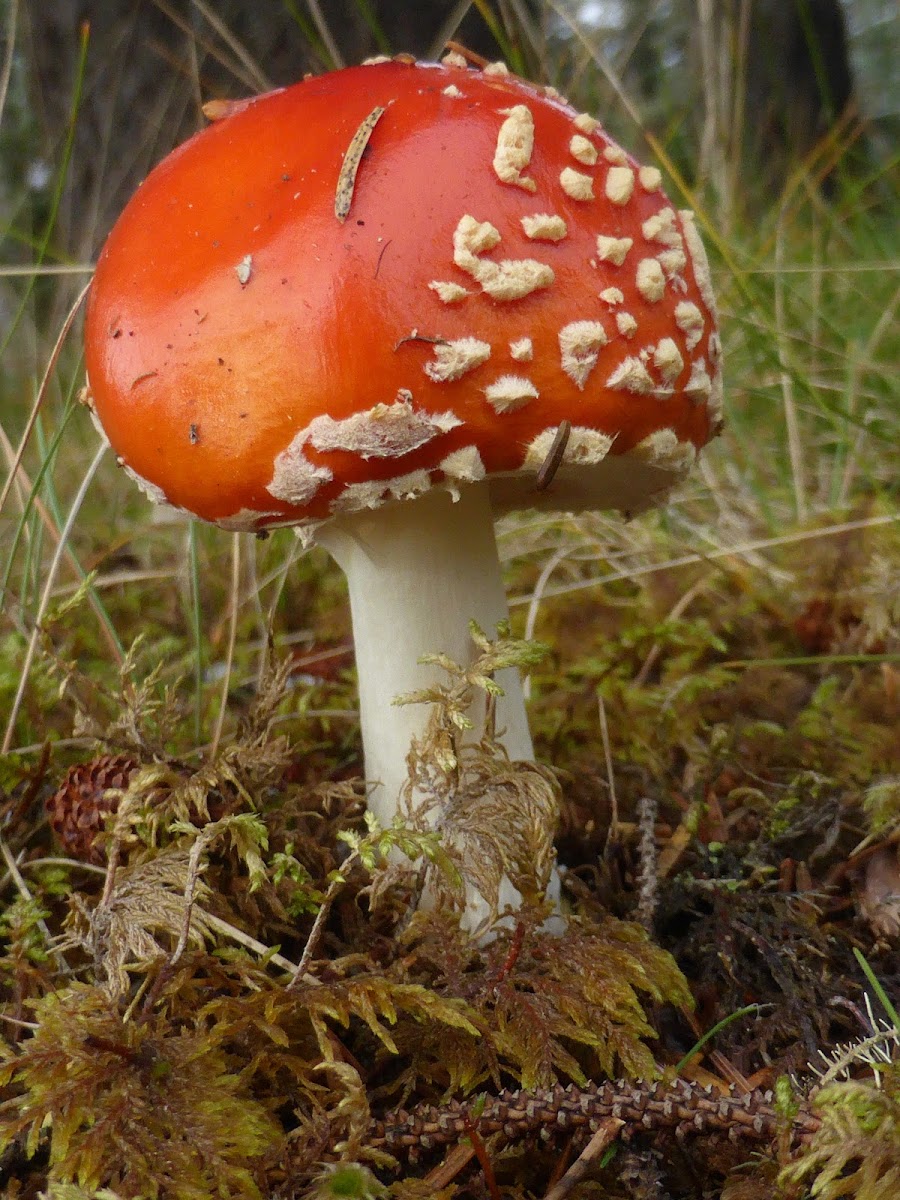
(553, 461)
(515, 949)
(605, 1135)
(444, 1174)
(190, 894)
(415, 336)
(53, 860)
(251, 943)
(484, 1160)
(121, 821)
(315, 934)
(613, 835)
(381, 256)
(477, 60)
(20, 1024)
(648, 882)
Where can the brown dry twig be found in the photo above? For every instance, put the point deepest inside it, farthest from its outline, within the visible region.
(483, 1157)
(681, 1108)
(605, 1135)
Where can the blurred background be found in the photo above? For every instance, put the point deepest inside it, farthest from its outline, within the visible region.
(740, 92)
(776, 119)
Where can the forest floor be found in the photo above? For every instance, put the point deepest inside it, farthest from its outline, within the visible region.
(723, 733)
(215, 980)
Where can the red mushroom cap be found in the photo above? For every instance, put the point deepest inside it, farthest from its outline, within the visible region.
(393, 277)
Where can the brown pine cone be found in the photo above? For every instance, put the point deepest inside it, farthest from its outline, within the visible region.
(81, 802)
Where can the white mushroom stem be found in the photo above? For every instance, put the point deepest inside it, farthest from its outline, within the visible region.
(418, 572)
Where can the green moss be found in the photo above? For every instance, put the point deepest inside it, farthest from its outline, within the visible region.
(145, 1107)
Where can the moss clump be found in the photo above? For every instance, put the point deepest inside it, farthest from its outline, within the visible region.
(857, 1151)
(264, 972)
(146, 1107)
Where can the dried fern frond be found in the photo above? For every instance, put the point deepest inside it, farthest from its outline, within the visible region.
(141, 921)
(139, 716)
(442, 745)
(583, 992)
(496, 818)
(499, 824)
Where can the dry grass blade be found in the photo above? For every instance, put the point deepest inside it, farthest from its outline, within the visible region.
(740, 551)
(234, 604)
(151, 908)
(604, 1136)
(65, 534)
(251, 77)
(261, 82)
(22, 887)
(42, 392)
(12, 21)
(7, 272)
(324, 32)
(791, 420)
(50, 525)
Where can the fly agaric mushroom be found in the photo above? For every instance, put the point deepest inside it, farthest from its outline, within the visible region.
(384, 305)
